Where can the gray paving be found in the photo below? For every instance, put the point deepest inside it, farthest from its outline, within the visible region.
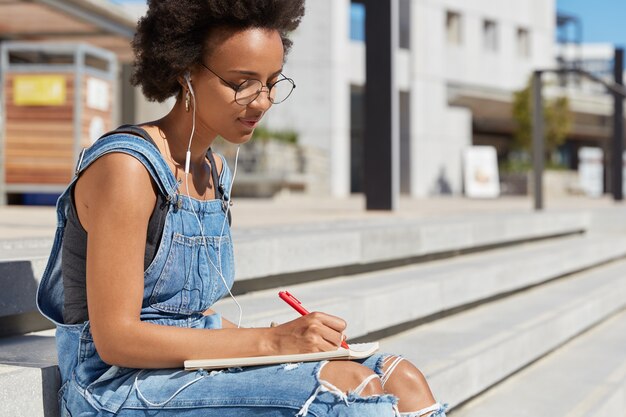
(30, 221)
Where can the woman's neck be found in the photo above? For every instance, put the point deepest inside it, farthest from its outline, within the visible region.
(175, 129)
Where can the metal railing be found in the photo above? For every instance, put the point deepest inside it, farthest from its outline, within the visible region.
(618, 91)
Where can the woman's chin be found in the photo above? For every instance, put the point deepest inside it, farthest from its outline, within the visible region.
(238, 140)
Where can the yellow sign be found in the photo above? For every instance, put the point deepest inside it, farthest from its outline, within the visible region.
(39, 90)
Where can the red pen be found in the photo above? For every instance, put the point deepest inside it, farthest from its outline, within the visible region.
(297, 305)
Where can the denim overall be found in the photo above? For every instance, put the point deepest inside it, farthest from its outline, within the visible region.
(182, 281)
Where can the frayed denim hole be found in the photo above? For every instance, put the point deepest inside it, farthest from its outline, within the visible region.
(291, 366)
(377, 398)
(390, 364)
(202, 372)
(440, 412)
(320, 388)
(380, 363)
(359, 389)
(348, 399)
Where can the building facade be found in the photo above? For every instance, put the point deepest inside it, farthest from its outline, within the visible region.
(454, 58)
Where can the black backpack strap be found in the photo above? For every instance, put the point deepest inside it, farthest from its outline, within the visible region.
(132, 130)
(219, 191)
(219, 187)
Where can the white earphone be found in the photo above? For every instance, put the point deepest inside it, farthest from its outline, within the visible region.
(193, 123)
(187, 163)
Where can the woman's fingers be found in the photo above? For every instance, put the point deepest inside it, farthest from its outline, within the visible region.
(332, 322)
(331, 330)
(314, 332)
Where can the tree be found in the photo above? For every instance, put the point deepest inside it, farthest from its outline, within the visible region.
(556, 115)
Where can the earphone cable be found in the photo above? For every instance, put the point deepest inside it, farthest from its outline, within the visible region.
(204, 239)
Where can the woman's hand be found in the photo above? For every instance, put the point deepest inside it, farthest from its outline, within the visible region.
(315, 332)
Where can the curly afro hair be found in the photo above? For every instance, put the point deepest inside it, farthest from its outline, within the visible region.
(171, 37)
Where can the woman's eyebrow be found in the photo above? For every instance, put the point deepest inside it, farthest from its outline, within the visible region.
(255, 74)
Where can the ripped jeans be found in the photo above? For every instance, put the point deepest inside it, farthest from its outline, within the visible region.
(269, 391)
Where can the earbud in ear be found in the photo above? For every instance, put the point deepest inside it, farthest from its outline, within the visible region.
(188, 79)
(193, 128)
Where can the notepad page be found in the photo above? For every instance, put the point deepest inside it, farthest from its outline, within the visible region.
(361, 347)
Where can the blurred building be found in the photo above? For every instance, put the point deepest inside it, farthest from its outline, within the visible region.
(590, 104)
(60, 69)
(458, 62)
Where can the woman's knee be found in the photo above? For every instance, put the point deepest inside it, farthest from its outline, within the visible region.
(401, 372)
(351, 376)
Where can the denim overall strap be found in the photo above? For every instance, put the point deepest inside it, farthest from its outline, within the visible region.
(50, 294)
(145, 152)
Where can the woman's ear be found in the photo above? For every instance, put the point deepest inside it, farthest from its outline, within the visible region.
(185, 80)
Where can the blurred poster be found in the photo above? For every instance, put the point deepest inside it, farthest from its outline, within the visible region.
(96, 128)
(39, 90)
(97, 94)
(591, 171)
(480, 172)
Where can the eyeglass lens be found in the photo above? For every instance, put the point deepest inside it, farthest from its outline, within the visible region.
(250, 90)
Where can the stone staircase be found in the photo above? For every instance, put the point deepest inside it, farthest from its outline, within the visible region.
(483, 304)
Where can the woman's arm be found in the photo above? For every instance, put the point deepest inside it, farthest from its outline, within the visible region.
(114, 199)
(226, 324)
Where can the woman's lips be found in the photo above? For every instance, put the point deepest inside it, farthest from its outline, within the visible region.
(251, 123)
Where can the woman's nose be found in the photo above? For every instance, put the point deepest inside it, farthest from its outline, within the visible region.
(262, 101)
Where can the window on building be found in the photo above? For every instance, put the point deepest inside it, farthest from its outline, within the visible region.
(490, 35)
(453, 28)
(405, 24)
(357, 22)
(523, 42)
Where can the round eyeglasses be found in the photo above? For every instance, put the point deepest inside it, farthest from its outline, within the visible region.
(249, 90)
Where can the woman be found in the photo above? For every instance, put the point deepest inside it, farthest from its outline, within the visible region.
(143, 247)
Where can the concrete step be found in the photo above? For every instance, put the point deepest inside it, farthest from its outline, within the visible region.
(286, 249)
(16, 249)
(22, 393)
(584, 378)
(370, 302)
(267, 257)
(374, 302)
(29, 378)
(467, 353)
(290, 249)
(462, 354)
